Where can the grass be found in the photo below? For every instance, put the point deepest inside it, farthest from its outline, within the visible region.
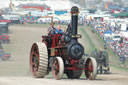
(119, 67)
(91, 45)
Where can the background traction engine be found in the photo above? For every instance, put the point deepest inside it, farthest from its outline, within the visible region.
(62, 54)
(102, 61)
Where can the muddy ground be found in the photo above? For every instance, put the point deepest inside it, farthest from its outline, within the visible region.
(16, 70)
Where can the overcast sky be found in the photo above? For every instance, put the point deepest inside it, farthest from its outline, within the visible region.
(4, 3)
(52, 3)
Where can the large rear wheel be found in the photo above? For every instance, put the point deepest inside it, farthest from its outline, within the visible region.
(39, 59)
(91, 70)
(58, 68)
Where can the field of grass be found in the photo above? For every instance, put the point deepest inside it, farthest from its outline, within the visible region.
(90, 43)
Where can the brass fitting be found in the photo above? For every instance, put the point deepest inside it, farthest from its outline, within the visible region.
(74, 10)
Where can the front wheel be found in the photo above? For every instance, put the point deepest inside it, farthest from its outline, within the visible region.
(58, 68)
(91, 68)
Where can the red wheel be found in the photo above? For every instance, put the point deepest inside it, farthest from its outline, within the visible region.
(58, 68)
(39, 59)
(91, 66)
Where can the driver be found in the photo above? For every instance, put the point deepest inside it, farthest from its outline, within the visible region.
(51, 29)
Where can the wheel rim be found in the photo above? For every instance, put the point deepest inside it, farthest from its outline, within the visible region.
(58, 68)
(90, 69)
(34, 59)
(55, 68)
(39, 60)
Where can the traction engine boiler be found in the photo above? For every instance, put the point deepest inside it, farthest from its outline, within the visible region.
(62, 54)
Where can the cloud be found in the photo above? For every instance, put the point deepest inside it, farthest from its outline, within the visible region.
(4, 3)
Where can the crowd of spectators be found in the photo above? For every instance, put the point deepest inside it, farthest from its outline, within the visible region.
(119, 47)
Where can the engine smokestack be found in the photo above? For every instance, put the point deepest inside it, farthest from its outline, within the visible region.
(74, 22)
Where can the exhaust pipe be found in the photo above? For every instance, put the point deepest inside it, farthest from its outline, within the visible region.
(74, 22)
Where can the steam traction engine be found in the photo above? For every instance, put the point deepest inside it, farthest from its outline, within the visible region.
(102, 61)
(62, 53)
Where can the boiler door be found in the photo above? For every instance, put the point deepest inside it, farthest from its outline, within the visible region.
(75, 51)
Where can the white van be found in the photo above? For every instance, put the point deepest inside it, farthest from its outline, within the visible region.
(124, 26)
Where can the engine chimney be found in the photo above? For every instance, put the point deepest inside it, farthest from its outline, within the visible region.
(74, 22)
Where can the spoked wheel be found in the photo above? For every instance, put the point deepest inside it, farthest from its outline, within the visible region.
(39, 60)
(58, 68)
(74, 74)
(91, 70)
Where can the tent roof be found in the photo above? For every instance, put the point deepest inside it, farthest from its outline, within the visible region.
(121, 15)
(108, 32)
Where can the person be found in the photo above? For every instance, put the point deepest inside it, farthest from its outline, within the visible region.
(59, 30)
(105, 46)
(51, 29)
(69, 29)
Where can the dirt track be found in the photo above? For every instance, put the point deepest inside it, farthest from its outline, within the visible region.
(16, 71)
